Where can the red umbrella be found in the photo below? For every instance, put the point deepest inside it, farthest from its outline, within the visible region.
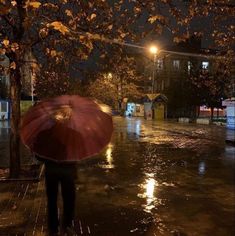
(67, 128)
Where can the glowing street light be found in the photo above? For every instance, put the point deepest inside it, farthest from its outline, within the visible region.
(110, 75)
(153, 50)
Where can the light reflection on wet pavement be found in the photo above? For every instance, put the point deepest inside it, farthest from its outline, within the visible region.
(159, 178)
(154, 178)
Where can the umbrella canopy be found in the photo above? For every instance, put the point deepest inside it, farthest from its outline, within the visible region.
(67, 128)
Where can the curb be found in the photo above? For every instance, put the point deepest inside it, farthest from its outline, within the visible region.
(35, 179)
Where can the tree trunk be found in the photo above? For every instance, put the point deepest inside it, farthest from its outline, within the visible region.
(198, 111)
(15, 93)
(212, 113)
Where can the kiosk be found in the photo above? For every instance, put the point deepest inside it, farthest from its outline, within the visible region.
(155, 106)
(230, 112)
(4, 109)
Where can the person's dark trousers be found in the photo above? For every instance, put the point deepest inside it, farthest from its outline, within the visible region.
(65, 175)
(68, 194)
(52, 184)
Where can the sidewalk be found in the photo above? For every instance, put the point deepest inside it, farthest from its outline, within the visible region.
(230, 137)
(23, 210)
(23, 201)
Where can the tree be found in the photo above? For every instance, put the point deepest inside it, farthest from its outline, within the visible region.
(118, 78)
(213, 86)
(51, 28)
(57, 78)
(182, 97)
(111, 89)
(48, 28)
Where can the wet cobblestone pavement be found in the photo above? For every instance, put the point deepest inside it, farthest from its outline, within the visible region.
(153, 179)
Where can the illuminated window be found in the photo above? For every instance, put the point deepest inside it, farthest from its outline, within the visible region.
(160, 64)
(205, 65)
(189, 67)
(176, 64)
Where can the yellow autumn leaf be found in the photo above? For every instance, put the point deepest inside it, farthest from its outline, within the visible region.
(68, 13)
(96, 36)
(110, 27)
(5, 42)
(123, 35)
(152, 19)
(81, 37)
(13, 65)
(33, 4)
(57, 25)
(137, 9)
(93, 15)
(13, 3)
(50, 5)
(53, 53)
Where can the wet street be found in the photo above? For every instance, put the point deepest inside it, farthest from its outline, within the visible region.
(160, 179)
(157, 178)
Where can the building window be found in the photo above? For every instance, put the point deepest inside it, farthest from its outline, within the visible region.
(160, 64)
(176, 64)
(3, 106)
(189, 67)
(205, 65)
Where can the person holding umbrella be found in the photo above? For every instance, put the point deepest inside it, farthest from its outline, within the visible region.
(57, 174)
(61, 131)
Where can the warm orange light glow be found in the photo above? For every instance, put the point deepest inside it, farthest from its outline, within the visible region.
(153, 49)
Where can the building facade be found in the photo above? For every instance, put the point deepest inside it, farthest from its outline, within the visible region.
(172, 72)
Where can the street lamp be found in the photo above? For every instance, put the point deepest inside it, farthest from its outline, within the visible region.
(110, 75)
(153, 50)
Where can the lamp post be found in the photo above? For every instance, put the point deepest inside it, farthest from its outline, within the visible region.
(32, 86)
(153, 50)
(150, 113)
